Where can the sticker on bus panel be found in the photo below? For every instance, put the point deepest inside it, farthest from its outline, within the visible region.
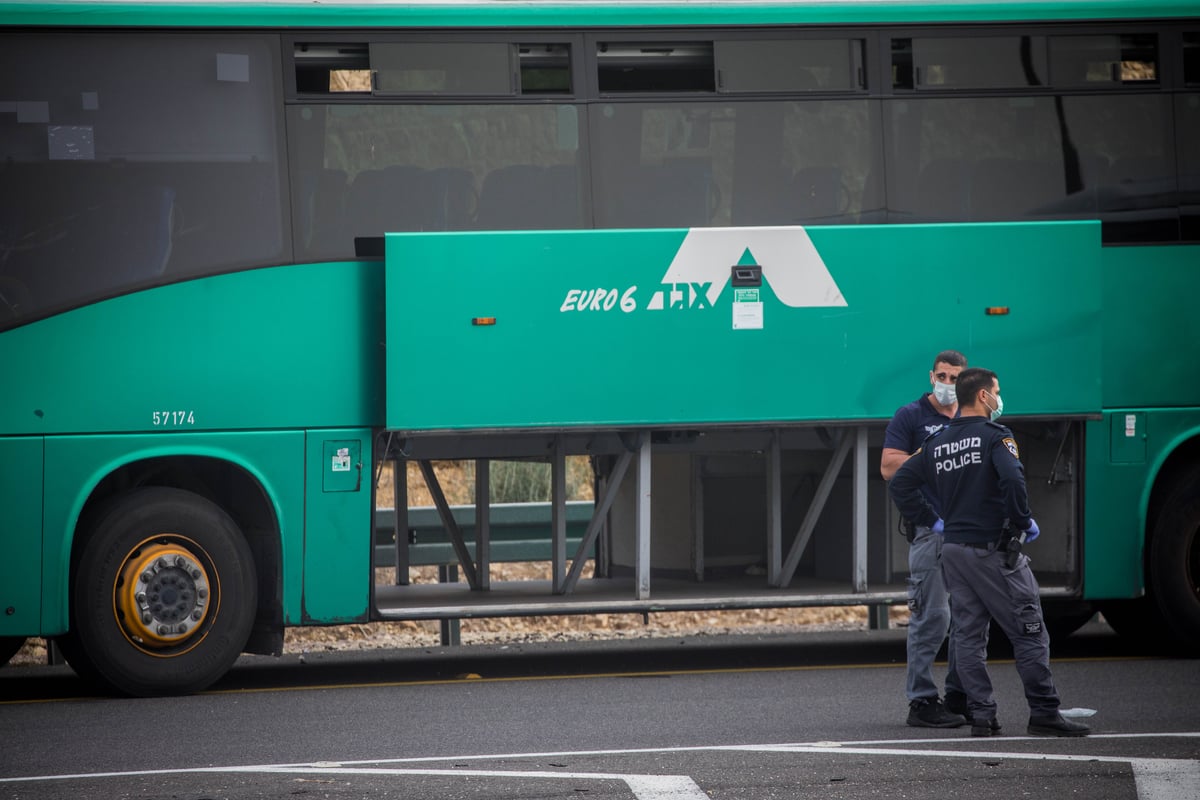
(747, 310)
(699, 271)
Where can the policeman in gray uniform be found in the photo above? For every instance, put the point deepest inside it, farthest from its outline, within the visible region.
(974, 468)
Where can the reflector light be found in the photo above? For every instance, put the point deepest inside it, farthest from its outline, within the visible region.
(483, 320)
(996, 311)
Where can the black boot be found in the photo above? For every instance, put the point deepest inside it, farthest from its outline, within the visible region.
(956, 703)
(930, 713)
(985, 727)
(1056, 725)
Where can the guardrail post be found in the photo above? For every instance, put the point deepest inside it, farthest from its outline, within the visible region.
(878, 617)
(450, 629)
(400, 520)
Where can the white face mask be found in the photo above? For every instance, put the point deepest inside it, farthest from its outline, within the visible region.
(999, 409)
(944, 393)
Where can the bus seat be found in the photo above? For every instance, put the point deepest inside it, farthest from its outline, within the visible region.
(454, 198)
(527, 196)
(396, 198)
(676, 194)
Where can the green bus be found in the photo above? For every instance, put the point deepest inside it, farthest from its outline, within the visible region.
(252, 253)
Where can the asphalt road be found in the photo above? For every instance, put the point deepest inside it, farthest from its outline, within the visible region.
(810, 715)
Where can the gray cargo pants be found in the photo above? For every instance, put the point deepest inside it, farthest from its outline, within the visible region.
(981, 589)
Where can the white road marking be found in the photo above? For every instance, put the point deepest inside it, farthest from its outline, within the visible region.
(1154, 778)
(644, 787)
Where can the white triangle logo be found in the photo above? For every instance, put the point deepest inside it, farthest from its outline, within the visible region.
(790, 263)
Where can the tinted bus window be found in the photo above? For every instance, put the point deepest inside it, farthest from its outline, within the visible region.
(978, 62)
(1187, 113)
(1036, 158)
(363, 170)
(132, 160)
(1191, 59)
(455, 68)
(655, 67)
(674, 164)
(797, 65)
(1099, 60)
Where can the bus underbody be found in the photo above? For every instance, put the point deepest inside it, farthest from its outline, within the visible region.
(705, 518)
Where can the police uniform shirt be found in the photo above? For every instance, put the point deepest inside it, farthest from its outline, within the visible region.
(973, 465)
(909, 427)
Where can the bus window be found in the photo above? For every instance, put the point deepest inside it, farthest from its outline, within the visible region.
(1187, 115)
(977, 62)
(458, 68)
(755, 163)
(364, 170)
(1191, 59)
(655, 67)
(1007, 158)
(1098, 60)
(133, 160)
(415, 68)
(793, 65)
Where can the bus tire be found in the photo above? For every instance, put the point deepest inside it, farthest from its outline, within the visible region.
(1139, 623)
(164, 594)
(9, 647)
(1175, 565)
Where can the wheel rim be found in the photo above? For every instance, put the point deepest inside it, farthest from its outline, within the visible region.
(163, 596)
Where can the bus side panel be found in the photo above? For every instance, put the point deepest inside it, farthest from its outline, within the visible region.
(338, 535)
(76, 464)
(279, 348)
(1112, 553)
(1152, 330)
(649, 327)
(1126, 450)
(20, 535)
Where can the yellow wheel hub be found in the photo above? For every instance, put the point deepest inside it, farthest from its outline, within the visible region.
(163, 595)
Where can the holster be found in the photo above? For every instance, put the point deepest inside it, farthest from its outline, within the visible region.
(1011, 545)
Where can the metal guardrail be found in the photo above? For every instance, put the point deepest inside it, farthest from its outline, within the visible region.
(519, 532)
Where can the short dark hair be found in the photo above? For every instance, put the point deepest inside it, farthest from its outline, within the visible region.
(951, 357)
(970, 381)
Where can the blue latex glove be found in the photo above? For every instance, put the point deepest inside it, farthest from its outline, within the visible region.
(939, 526)
(1033, 531)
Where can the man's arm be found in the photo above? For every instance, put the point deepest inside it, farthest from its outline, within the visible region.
(891, 461)
(1011, 476)
(897, 443)
(905, 489)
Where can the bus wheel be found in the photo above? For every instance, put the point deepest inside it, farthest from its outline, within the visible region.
(164, 594)
(9, 646)
(1175, 564)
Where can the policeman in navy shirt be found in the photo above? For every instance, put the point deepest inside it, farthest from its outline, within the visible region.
(974, 467)
(928, 606)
